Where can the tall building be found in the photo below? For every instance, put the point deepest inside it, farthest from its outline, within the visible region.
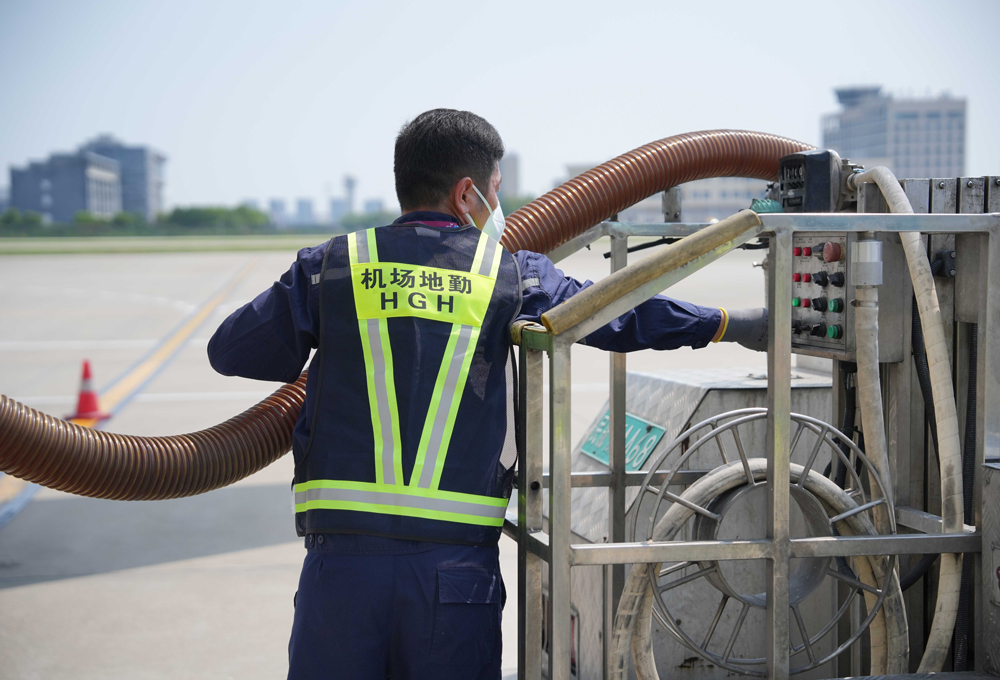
(338, 208)
(510, 173)
(276, 211)
(141, 170)
(912, 137)
(66, 184)
(304, 211)
(4, 199)
(374, 205)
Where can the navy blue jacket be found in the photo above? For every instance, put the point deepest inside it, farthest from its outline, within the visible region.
(271, 337)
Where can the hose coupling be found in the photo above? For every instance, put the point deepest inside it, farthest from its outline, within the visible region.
(866, 263)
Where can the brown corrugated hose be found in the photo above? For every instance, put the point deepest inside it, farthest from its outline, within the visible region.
(54, 453)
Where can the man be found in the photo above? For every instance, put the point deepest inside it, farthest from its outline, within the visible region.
(404, 449)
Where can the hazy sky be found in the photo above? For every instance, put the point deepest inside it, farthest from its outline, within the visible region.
(281, 99)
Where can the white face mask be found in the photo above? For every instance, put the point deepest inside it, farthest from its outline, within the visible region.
(494, 223)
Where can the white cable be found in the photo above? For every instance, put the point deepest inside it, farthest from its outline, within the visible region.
(950, 451)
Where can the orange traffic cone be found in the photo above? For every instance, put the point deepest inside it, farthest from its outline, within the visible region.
(86, 404)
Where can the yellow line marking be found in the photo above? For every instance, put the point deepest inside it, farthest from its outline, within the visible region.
(142, 372)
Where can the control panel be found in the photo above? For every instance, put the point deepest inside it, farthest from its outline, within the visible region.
(822, 313)
(819, 287)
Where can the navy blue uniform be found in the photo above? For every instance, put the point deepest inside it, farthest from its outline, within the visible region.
(451, 594)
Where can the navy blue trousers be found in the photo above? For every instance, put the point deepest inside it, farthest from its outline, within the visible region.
(371, 608)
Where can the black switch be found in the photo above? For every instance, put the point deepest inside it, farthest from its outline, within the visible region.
(837, 279)
(818, 250)
(819, 304)
(819, 330)
(820, 278)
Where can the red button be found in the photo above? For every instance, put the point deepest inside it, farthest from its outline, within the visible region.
(807, 277)
(805, 302)
(796, 251)
(796, 277)
(807, 251)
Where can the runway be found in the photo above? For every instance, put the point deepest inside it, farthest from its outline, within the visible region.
(199, 587)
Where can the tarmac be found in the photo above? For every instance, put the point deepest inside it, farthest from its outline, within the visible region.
(199, 587)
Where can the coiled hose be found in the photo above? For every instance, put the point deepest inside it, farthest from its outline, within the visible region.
(42, 449)
(633, 620)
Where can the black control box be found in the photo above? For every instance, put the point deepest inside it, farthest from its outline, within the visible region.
(809, 181)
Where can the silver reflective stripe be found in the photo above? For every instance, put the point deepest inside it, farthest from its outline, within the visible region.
(316, 278)
(401, 501)
(528, 283)
(448, 394)
(489, 252)
(385, 415)
(362, 242)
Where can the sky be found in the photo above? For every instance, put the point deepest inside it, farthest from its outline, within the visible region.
(255, 100)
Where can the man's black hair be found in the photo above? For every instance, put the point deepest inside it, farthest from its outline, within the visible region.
(440, 147)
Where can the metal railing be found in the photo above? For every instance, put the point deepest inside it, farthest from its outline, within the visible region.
(609, 298)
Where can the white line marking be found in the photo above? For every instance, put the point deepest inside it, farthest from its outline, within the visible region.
(62, 345)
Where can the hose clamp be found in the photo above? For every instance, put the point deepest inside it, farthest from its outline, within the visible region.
(866, 263)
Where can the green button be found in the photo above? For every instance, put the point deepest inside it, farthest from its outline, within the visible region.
(833, 332)
(795, 302)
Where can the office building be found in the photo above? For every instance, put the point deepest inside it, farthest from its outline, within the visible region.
(510, 172)
(66, 184)
(141, 172)
(304, 211)
(716, 198)
(374, 205)
(912, 137)
(4, 199)
(276, 211)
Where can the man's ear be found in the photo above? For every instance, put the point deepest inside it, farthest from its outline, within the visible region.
(463, 198)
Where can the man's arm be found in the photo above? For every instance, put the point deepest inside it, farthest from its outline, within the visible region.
(659, 323)
(271, 337)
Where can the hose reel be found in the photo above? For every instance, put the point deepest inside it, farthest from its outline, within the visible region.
(706, 510)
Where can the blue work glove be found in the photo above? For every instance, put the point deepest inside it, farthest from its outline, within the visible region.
(748, 327)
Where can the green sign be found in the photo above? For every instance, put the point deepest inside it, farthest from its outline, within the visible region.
(641, 437)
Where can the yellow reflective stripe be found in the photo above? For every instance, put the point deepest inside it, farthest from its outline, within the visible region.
(446, 506)
(450, 384)
(452, 408)
(379, 373)
(413, 491)
(392, 289)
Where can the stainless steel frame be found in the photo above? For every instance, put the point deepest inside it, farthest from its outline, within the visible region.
(554, 547)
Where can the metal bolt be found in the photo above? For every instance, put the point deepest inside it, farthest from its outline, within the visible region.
(940, 185)
(997, 182)
(969, 184)
(951, 272)
(951, 254)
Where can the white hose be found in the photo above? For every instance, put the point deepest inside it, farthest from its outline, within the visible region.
(870, 397)
(633, 623)
(950, 451)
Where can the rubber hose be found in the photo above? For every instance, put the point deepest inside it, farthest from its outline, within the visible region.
(870, 396)
(598, 194)
(968, 470)
(950, 453)
(633, 626)
(57, 454)
(45, 450)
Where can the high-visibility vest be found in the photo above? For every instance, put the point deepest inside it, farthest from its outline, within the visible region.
(412, 431)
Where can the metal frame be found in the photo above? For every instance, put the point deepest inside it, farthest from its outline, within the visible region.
(554, 547)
